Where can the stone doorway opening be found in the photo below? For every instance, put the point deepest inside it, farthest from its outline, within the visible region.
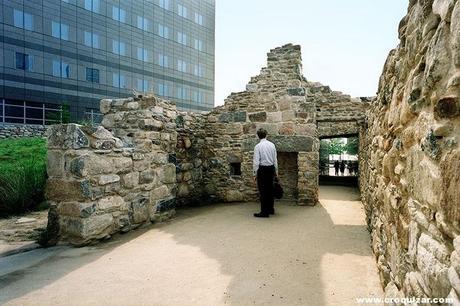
(338, 160)
(288, 170)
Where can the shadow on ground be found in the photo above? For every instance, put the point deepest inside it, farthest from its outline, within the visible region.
(213, 256)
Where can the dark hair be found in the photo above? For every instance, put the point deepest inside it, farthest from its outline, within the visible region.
(262, 133)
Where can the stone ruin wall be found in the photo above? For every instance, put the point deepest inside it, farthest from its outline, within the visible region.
(274, 100)
(147, 158)
(338, 114)
(20, 130)
(103, 182)
(191, 159)
(410, 157)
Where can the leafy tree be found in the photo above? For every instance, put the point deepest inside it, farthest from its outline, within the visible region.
(336, 146)
(352, 146)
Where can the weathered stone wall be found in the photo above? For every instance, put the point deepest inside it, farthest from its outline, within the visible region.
(276, 101)
(190, 159)
(288, 174)
(147, 158)
(337, 114)
(410, 157)
(19, 130)
(102, 182)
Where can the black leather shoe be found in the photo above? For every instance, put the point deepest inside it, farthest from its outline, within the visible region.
(261, 215)
(272, 212)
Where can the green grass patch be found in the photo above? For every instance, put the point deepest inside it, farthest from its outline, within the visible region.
(22, 174)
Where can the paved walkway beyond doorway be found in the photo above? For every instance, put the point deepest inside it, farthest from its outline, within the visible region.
(211, 256)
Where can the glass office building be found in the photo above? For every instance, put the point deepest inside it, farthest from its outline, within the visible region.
(76, 52)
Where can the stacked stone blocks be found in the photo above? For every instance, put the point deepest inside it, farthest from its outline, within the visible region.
(102, 182)
(410, 157)
(274, 100)
(20, 130)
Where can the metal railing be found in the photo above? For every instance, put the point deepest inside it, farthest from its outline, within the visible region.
(92, 116)
(43, 115)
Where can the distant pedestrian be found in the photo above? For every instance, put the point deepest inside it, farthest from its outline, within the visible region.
(342, 167)
(350, 168)
(336, 167)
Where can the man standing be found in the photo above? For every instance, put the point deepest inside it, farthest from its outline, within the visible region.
(265, 167)
(336, 166)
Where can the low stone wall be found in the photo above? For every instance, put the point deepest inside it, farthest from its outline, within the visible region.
(19, 130)
(103, 182)
(410, 157)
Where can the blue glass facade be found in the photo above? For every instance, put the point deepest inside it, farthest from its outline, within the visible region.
(80, 51)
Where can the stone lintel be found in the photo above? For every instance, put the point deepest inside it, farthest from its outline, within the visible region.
(283, 143)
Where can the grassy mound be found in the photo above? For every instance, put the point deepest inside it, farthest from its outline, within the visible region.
(22, 174)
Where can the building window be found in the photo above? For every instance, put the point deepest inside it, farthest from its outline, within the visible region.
(162, 89)
(60, 30)
(91, 40)
(92, 5)
(182, 10)
(118, 47)
(181, 66)
(142, 85)
(118, 14)
(92, 75)
(163, 31)
(142, 54)
(198, 71)
(24, 61)
(199, 19)
(56, 68)
(197, 96)
(61, 69)
(119, 80)
(180, 93)
(164, 4)
(181, 38)
(235, 168)
(65, 70)
(23, 20)
(163, 60)
(142, 23)
(198, 44)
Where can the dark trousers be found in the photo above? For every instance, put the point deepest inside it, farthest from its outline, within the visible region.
(265, 175)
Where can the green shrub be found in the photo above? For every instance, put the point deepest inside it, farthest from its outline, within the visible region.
(22, 174)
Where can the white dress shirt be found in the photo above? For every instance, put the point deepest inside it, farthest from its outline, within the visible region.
(264, 155)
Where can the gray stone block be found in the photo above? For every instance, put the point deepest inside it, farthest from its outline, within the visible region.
(232, 117)
(283, 143)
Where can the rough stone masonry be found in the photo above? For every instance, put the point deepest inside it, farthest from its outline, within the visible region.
(410, 157)
(147, 158)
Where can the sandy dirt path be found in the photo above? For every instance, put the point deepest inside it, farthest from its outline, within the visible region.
(211, 256)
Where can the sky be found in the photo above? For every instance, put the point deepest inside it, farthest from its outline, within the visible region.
(344, 42)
